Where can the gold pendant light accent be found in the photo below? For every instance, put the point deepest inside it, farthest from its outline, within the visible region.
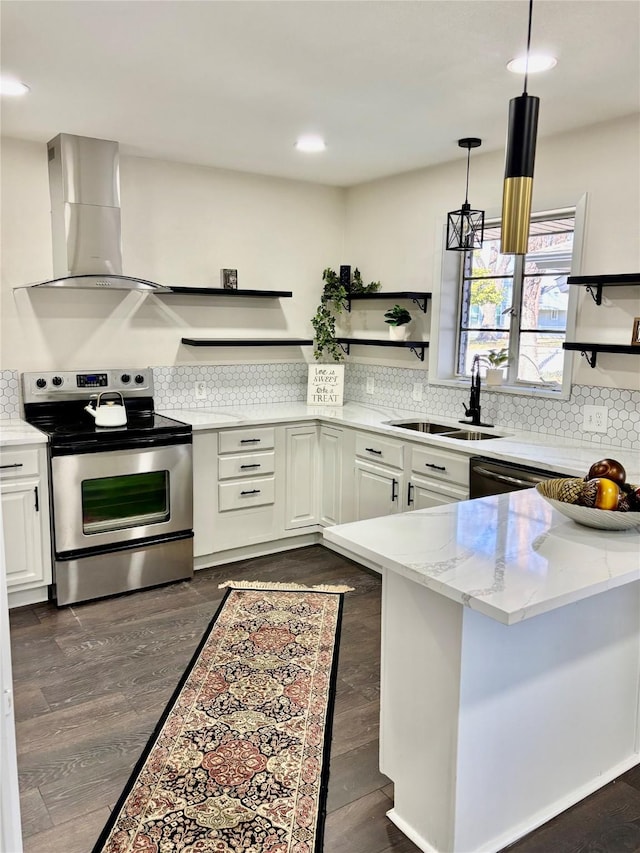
(519, 163)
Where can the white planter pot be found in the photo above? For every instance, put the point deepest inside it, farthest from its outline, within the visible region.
(495, 376)
(399, 333)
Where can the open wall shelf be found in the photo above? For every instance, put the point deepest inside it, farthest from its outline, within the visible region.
(228, 292)
(595, 283)
(247, 342)
(419, 297)
(416, 347)
(590, 351)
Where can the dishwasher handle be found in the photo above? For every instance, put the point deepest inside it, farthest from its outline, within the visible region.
(512, 481)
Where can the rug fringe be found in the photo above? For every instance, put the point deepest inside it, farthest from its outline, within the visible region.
(291, 587)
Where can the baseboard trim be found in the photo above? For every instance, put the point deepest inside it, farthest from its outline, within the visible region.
(262, 549)
(22, 597)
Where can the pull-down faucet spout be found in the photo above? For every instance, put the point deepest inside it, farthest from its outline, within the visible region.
(473, 410)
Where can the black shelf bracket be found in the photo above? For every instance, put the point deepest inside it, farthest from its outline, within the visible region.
(344, 347)
(421, 302)
(418, 352)
(596, 295)
(590, 355)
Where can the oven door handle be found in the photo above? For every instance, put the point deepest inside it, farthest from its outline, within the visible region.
(513, 481)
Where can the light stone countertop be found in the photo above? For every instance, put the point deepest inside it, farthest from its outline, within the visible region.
(510, 557)
(567, 456)
(16, 431)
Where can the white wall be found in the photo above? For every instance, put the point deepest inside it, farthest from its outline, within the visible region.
(394, 228)
(180, 225)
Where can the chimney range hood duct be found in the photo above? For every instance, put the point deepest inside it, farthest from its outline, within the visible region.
(84, 184)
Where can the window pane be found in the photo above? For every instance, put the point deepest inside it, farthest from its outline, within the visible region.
(487, 260)
(541, 357)
(545, 300)
(478, 343)
(485, 302)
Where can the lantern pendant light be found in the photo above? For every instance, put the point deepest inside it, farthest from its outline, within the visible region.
(518, 169)
(465, 227)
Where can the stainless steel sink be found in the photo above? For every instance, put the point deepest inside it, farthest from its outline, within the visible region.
(422, 426)
(444, 431)
(470, 435)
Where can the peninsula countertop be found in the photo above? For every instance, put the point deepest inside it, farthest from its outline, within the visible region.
(510, 557)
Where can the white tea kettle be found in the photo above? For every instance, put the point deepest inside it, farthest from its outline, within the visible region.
(110, 413)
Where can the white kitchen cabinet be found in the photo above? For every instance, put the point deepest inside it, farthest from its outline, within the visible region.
(332, 471)
(423, 493)
(301, 476)
(25, 518)
(379, 476)
(437, 477)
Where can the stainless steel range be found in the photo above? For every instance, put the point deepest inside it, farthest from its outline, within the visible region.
(121, 496)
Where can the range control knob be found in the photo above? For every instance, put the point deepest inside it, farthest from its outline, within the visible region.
(139, 379)
(125, 378)
(41, 383)
(57, 381)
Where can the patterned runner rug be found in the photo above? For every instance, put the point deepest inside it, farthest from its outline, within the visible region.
(239, 760)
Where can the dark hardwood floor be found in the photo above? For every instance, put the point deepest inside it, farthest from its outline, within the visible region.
(91, 681)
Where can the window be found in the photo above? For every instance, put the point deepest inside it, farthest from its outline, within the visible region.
(518, 303)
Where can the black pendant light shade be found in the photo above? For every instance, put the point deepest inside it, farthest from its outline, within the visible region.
(465, 227)
(518, 170)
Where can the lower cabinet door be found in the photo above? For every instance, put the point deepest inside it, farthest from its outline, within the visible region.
(424, 493)
(22, 534)
(378, 491)
(331, 474)
(301, 502)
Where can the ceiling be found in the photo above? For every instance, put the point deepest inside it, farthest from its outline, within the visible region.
(391, 84)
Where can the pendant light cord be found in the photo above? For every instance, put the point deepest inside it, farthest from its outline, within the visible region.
(466, 190)
(526, 68)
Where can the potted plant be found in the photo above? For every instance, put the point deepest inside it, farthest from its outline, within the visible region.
(332, 302)
(397, 318)
(495, 359)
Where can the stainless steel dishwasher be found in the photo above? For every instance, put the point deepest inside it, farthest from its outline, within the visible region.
(492, 477)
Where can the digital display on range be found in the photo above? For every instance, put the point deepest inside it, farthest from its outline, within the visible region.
(91, 380)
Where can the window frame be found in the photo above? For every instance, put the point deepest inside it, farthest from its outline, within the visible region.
(446, 304)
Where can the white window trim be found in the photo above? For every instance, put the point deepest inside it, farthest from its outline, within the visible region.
(444, 318)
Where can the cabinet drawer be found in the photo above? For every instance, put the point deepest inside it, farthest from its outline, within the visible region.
(433, 462)
(246, 493)
(380, 449)
(233, 440)
(247, 465)
(18, 463)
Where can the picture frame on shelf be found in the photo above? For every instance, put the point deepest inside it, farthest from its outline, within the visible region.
(229, 279)
(635, 336)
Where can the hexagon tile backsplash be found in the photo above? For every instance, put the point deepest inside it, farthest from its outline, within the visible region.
(238, 384)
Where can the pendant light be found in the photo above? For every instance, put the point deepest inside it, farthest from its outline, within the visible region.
(518, 169)
(465, 227)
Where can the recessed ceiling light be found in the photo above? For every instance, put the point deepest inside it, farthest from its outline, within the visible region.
(310, 144)
(11, 86)
(537, 62)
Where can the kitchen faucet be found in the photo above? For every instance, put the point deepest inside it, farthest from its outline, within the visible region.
(473, 410)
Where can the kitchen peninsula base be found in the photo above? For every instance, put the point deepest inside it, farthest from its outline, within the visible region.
(494, 722)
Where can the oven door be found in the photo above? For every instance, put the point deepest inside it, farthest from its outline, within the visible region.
(119, 496)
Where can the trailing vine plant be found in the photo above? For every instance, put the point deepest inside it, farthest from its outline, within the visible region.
(332, 302)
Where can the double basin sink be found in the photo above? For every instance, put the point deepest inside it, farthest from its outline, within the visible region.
(444, 431)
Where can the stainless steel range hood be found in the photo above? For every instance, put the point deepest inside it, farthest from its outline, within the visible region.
(84, 184)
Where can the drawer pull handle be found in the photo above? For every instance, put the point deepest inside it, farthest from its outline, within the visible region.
(37, 503)
(255, 465)
(13, 465)
(410, 494)
(437, 467)
(251, 492)
(249, 440)
(372, 450)
(394, 494)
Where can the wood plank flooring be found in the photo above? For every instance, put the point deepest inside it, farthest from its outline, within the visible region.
(92, 680)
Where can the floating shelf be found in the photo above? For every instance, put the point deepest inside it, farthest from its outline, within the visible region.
(247, 342)
(416, 347)
(419, 297)
(595, 283)
(225, 291)
(590, 351)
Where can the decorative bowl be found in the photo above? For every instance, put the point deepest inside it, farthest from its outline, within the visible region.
(602, 519)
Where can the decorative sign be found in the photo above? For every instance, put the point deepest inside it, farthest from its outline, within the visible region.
(229, 279)
(326, 385)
